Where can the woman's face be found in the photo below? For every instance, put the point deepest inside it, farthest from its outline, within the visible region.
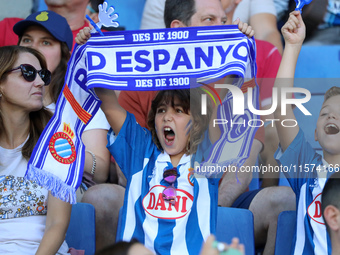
(19, 94)
(40, 39)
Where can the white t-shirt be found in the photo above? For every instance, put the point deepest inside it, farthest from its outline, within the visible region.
(281, 7)
(99, 120)
(23, 206)
(153, 14)
(248, 8)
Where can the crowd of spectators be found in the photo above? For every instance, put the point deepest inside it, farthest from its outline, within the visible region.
(46, 33)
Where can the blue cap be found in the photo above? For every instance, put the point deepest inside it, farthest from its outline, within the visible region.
(54, 23)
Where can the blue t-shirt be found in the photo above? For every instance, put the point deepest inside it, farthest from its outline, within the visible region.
(304, 169)
(160, 226)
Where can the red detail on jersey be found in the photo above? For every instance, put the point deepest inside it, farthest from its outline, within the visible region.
(83, 115)
(155, 206)
(314, 210)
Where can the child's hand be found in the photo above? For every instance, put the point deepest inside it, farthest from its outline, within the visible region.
(294, 31)
(107, 96)
(244, 28)
(83, 36)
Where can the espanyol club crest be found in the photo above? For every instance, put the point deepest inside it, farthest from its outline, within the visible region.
(314, 210)
(191, 176)
(61, 146)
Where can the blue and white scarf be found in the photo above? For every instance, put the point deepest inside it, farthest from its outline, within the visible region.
(134, 60)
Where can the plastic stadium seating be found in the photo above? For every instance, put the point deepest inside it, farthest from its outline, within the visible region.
(231, 222)
(81, 233)
(319, 62)
(285, 232)
(235, 222)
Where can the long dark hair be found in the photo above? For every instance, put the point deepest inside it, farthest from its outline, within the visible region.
(38, 119)
(191, 102)
(58, 76)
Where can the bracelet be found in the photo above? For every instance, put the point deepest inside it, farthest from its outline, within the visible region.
(94, 162)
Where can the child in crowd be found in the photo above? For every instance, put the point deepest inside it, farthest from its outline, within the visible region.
(32, 221)
(330, 204)
(144, 186)
(308, 169)
(164, 208)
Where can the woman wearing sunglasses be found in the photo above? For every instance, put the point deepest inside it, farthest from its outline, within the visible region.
(49, 33)
(27, 226)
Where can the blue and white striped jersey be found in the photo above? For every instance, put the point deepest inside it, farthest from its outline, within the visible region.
(304, 171)
(160, 226)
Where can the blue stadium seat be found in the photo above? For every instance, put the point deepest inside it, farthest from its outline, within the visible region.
(319, 62)
(285, 232)
(231, 222)
(81, 233)
(235, 222)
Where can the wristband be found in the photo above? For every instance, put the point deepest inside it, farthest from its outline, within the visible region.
(94, 162)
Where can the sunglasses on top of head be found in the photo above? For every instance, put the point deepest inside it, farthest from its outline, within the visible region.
(169, 193)
(30, 73)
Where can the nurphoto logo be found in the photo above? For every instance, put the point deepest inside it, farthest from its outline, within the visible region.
(238, 105)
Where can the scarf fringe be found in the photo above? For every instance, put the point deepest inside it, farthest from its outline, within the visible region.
(53, 183)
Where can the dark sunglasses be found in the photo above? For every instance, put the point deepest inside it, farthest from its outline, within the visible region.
(30, 73)
(169, 193)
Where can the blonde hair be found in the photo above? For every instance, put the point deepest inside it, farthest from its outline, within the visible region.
(333, 91)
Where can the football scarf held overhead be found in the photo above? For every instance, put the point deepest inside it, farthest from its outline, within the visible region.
(131, 60)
